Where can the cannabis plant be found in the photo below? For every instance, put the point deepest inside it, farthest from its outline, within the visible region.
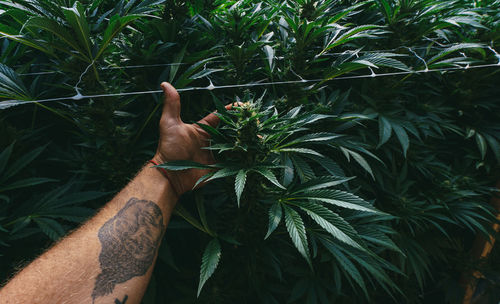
(268, 160)
(374, 166)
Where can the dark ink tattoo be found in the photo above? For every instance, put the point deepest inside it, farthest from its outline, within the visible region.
(123, 301)
(128, 245)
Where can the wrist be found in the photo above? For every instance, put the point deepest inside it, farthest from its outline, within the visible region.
(155, 161)
(158, 158)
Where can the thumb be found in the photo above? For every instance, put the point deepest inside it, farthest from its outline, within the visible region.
(171, 101)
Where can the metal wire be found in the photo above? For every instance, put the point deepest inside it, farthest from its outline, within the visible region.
(11, 103)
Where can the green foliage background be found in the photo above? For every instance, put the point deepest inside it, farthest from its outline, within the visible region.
(423, 148)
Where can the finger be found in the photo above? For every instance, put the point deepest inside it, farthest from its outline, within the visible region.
(171, 101)
(212, 119)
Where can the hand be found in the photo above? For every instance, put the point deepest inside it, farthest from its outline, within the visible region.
(180, 141)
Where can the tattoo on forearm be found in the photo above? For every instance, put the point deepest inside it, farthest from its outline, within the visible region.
(129, 241)
(123, 301)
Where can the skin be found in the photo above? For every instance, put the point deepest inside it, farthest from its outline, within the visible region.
(110, 258)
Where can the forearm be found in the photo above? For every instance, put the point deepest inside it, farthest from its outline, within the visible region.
(109, 258)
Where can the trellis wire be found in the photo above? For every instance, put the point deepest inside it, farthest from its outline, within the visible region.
(110, 67)
(13, 102)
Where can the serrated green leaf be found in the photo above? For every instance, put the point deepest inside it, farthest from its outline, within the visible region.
(72, 214)
(322, 137)
(11, 85)
(211, 130)
(452, 49)
(292, 113)
(494, 145)
(209, 262)
(297, 232)
(177, 60)
(308, 119)
(5, 156)
(300, 151)
(77, 198)
(204, 73)
(348, 36)
(346, 264)
(269, 52)
(402, 137)
(340, 198)
(359, 159)
(221, 147)
(239, 184)
(288, 170)
(115, 26)
(55, 28)
(304, 171)
(269, 175)
(186, 215)
(331, 222)
(384, 130)
(203, 179)
(76, 18)
(22, 162)
(41, 46)
(146, 6)
(177, 165)
(481, 144)
(383, 60)
(321, 182)
(221, 109)
(275, 213)
(200, 205)
(50, 227)
(27, 182)
(224, 172)
(185, 78)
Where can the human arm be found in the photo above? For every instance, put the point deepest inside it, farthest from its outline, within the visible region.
(110, 258)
